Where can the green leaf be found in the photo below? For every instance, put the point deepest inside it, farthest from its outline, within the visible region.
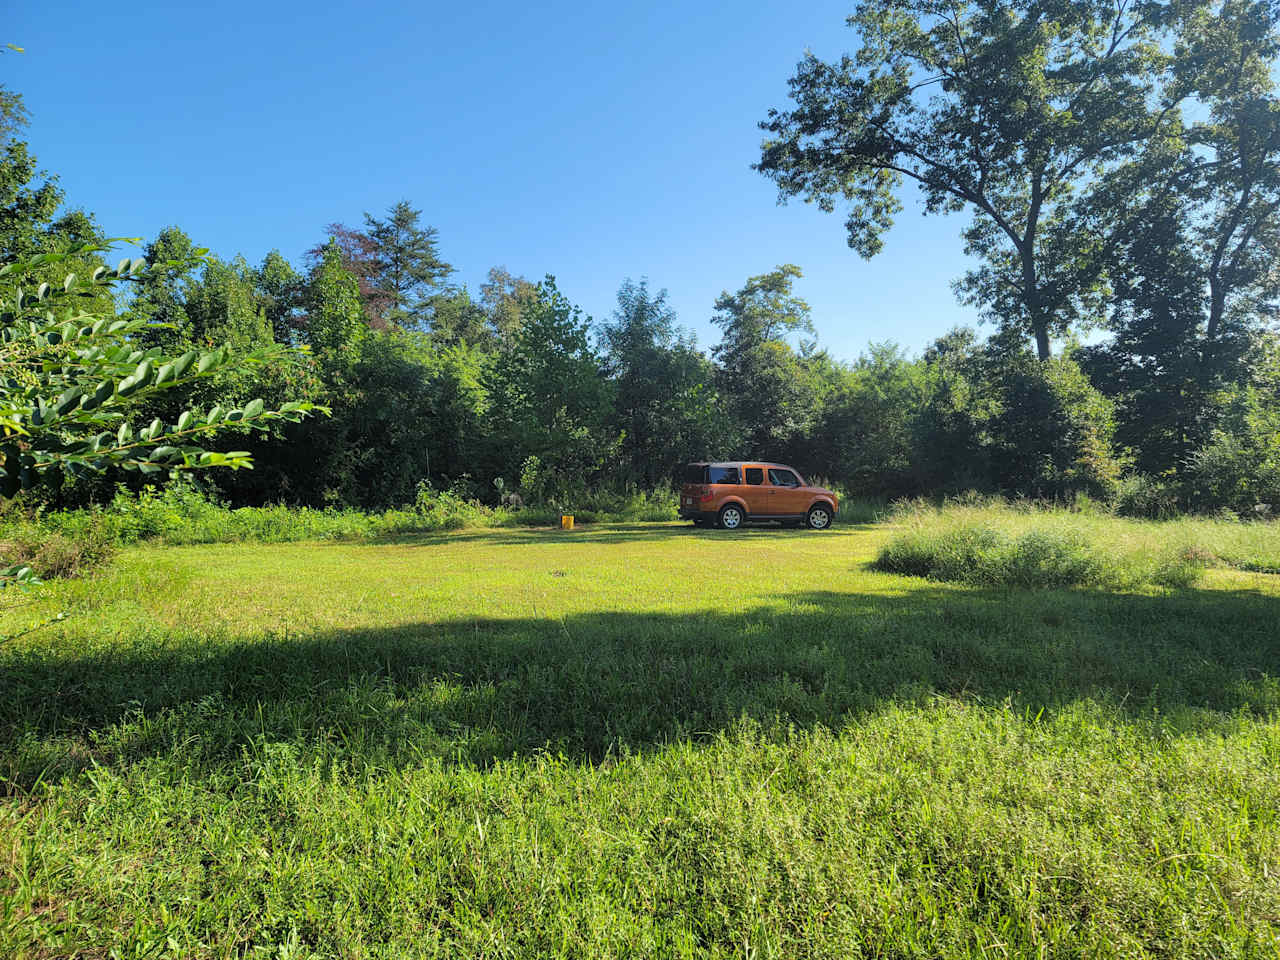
(252, 409)
(183, 363)
(67, 402)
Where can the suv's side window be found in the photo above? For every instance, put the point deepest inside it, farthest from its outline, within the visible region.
(724, 475)
(755, 475)
(783, 478)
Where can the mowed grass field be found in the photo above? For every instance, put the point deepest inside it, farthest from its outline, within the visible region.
(634, 741)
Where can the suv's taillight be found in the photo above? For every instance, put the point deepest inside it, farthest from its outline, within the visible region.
(704, 493)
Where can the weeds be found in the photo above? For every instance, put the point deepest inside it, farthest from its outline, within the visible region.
(1024, 544)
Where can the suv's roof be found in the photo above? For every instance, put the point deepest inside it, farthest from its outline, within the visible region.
(740, 463)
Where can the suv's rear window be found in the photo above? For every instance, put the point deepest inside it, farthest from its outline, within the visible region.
(723, 475)
(695, 473)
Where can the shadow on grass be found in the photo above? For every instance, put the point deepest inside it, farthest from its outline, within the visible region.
(475, 690)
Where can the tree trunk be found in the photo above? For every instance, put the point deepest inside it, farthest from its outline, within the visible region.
(1042, 340)
(1035, 311)
(1217, 306)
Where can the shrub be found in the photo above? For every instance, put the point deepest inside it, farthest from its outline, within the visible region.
(1145, 497)
(51, 554)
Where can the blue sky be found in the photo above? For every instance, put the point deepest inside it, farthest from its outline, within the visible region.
(595, 142)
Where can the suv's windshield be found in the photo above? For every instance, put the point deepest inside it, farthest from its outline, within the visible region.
(723, 475)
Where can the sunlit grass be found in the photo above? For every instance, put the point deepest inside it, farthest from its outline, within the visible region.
(636, 740)
(1030, 545)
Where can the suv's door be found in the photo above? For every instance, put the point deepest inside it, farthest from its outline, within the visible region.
(786, 494)
(754, 491)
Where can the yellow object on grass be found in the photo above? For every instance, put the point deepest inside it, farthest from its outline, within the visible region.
(566, 522)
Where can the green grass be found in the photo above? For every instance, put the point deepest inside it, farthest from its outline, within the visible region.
(635, 740)
(1029, 545)
(70, 542)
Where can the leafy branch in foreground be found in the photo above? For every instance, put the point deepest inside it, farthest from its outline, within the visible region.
(70, 377)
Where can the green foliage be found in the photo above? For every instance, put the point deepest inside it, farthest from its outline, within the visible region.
(407, 268)
(280, 291)
(457, 319)
(548, 398)
(866, 429)
(1147, 498)
(335, 319)
(27, 204)
(769, 389)
(50, 553)
(1238, 468)
(666, 408)
(72, 379)
(1053, 432)
(1010, 110)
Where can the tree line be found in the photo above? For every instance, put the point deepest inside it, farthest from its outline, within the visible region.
(1119, 163)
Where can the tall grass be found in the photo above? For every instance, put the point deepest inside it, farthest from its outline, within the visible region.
(66, 542)
(1032, 545)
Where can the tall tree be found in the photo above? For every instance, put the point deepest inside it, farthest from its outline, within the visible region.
(666, 408)
(408, 267)
(29, 201)
(160, 296)
(1010, 109)
(13, 112)
(766, 385)
(549, 399)
(503, 297)
(1194, 279)
(280, 291)
(456, 319)
(359, 257)
(1227, 59)
(335, 325)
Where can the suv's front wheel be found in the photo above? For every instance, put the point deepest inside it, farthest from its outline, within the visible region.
(731, 517)
(819, 517)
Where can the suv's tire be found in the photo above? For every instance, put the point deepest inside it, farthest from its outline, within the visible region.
(731, 517)
(819, 517)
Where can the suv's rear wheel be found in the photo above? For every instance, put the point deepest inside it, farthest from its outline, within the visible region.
(819, 517)
(731, 517)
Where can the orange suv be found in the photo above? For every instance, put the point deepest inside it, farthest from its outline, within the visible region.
(729, 494)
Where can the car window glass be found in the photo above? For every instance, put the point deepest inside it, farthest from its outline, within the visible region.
(755, 475)
(783, 478)
(724, 475)
(695, 473)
